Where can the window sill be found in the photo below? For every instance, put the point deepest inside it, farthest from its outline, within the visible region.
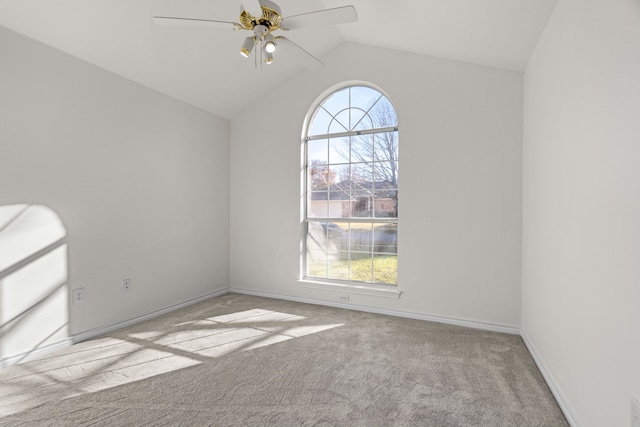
(371, 290)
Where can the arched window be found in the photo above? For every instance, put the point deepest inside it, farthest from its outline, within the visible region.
(351, 201)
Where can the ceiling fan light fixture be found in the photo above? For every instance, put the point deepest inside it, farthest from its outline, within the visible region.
(247, 47)
(270, 43)
(268, 58)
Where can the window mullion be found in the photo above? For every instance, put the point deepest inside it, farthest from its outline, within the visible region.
(352, 133)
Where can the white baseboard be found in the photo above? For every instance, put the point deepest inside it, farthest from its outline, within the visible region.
(84, 336)
(93, 333)
(35, 352)
(564, 404)
(438, 319)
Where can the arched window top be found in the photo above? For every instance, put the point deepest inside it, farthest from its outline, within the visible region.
(352, 109)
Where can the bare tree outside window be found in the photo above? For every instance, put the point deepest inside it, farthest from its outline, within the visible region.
(383, 150)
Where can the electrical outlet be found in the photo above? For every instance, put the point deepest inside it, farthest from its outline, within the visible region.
(126, 285)
(635, 412)
(344, 298)
(78, 295)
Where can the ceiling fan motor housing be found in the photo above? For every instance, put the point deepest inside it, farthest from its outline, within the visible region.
(260, 31)
(271, 19)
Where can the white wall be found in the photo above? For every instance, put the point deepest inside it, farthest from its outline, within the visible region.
(581, 206)
(139, 180)
(460, 194)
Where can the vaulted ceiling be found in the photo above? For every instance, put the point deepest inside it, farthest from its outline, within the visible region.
(202, 66)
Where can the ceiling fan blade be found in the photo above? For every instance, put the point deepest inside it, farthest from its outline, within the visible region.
(338, 15)
(307, 59)
(194, 22)
(253, 7)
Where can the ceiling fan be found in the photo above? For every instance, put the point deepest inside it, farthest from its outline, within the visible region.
(263, 18)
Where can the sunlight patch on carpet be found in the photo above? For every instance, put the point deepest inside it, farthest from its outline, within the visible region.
(140, 354)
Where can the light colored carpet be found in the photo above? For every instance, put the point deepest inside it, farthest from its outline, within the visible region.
(243, 360)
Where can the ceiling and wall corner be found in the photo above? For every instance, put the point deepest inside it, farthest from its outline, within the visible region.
(494, 33)
(202, 67)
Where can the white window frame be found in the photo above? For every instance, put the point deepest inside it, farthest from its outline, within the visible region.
(358, 287)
